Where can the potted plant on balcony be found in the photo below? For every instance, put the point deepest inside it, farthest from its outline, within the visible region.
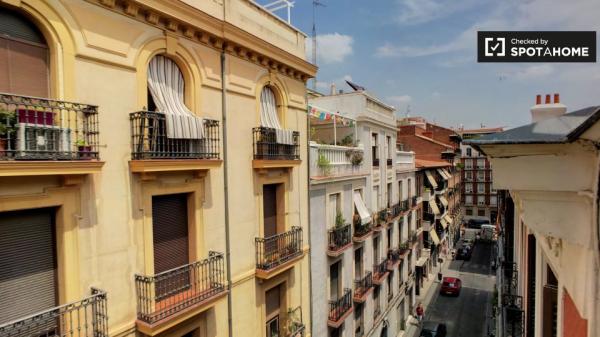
(324, 164)
(7, 130)
(84, 151)
(356, 157)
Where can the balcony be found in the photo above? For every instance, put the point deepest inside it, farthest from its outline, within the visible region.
(361, 231)
(278, 253)
(404, 205)
(294, 325)
(331, 161)
(179, 293)
(339, 239)
(84, 318)
(393, 256)
(363, 287)
(271, 152)
(339, 309)
(380, 272)
(153, 151)
(41, 136)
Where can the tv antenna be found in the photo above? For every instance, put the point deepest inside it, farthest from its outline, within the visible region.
(316, 3)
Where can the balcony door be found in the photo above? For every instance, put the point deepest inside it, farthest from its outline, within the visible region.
(335, 281)
(23, 56)
(171, 241)
(273, 304)
(28, 275)
(358, 264)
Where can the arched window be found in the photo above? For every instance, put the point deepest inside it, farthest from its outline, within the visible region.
(24, 56)
(166, 86)
(269, 117)
(268, 109)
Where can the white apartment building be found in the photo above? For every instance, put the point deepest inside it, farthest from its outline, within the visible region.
(361, 217)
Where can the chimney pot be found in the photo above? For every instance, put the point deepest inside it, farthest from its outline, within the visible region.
(556, 98)
(332, 92)
(538, 99)
(547, 99)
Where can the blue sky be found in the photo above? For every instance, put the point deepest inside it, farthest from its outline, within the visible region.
(422, 53)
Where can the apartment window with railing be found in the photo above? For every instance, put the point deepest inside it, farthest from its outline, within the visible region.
(469, 164)
(468, 175)
(480, 163)
(469, 199)
(469, 188)
(480, 176)
(409, 186)
(335, 208)
(389, 150)
(480, 200)
(400, 191)
(374, 149)
(389, 195)
(273, 303)
(480, 188)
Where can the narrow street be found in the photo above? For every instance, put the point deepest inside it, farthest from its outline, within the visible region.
(466, 315)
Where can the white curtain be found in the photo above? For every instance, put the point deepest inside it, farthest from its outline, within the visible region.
(269, 119)
(166, 85)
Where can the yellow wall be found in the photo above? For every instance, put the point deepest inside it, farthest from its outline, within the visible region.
(99, 56)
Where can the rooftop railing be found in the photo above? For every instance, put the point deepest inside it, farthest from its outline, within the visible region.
(149, 139)
(33, 128)
(268, 146)
(84, 318)
(165, 294)
(278, 249)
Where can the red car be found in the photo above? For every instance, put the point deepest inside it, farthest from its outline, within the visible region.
(451, 286)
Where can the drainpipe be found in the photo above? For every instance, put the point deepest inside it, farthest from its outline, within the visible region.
(226, 191)
(310, 307)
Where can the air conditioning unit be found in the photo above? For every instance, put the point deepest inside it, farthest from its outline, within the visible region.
(42, 141)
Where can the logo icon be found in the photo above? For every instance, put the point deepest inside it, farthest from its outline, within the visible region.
(495, 46)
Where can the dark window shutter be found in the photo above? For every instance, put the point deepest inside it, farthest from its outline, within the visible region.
(23, 56)
(27, 263)
(170, 231)
(270, 210)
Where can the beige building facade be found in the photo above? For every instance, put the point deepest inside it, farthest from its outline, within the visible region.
(172, 195)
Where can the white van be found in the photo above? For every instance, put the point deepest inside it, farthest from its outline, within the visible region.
(487, 233)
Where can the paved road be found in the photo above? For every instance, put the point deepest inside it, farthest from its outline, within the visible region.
(466, 315)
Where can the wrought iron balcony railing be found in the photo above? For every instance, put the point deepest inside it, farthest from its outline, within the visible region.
(278, 249)
(267, 146)
(149, 139)
(338, 307)
(165, 294)
(339, 237)
(404, 205)
(380, 270)
(361, 229)
(395, 210)
(362, 286)
(84, 318)
(34, 128)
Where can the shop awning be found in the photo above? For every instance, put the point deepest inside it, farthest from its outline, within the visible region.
(447, 173)
(443, 174)
(431, 180)
(444, 223)
(434, 237)
(434, 207)
(363, 212)
(443, 201)
(448, 219)
(421, 261)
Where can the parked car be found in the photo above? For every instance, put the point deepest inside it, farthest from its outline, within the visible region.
(433, 329)
(451, 286)
(464, 253)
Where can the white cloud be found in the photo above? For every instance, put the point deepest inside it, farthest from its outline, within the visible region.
(414, 12)
(331, 48)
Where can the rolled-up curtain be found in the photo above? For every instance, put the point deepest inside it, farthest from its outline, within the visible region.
(269, 119)
(166, 85)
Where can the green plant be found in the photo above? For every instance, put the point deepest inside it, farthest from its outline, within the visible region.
(460, 166)
(356, 157)
(81, 142)
(324, 164)
(339, 220)
(8, 120)
(346, 141)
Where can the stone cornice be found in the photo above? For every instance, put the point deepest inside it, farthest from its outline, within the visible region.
(214, 33)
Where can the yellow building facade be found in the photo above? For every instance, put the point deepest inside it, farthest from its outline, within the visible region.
(114, 226)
